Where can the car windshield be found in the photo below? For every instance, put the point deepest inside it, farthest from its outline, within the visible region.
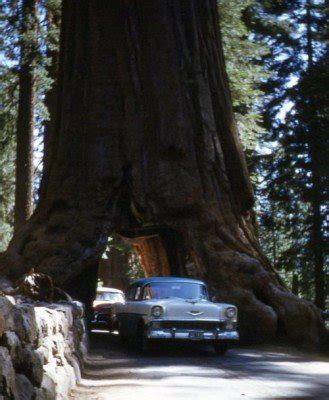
(182, 290)
(109, 296)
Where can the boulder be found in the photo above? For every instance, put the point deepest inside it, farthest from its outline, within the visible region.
(5, 285)
(45, 351)
(7, 376)
(12, 343)
(6, 314)
(25, 389)
(25, 323)
(30, 363)
(45, 321)
(41, 347)
(58, 381)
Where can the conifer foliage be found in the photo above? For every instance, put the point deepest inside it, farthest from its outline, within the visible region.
(293, 195)
(28, 36)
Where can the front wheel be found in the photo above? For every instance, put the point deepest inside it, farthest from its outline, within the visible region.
(142, 342)
(123, 338)
(220, 347)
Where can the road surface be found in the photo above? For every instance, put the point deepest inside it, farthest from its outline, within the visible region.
(193, 373)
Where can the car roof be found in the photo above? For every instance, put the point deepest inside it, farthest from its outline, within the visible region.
(145, 281)
(103, 289)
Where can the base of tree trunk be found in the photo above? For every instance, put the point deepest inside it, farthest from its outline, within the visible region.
(146, 147)
(267, 311)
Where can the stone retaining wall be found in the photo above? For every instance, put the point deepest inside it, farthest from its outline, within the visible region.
(42, 347)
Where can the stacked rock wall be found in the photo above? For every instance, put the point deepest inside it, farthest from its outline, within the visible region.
(42, 347)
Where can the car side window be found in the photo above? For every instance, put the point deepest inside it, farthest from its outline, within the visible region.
(138, 293)
(131, 293)
(147, 294)
(205, 294)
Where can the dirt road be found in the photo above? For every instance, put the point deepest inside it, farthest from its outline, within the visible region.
(193, 373)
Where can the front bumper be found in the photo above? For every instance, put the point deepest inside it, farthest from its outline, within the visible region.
(100, 321)
(192, 334)
(94, 324)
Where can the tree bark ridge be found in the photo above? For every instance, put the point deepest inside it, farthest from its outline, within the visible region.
(146, 142)
(25, 119)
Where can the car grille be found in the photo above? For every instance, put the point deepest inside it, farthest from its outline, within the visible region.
(204, 325)
(102, 317)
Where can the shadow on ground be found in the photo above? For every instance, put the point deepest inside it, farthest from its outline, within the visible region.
(185, 371)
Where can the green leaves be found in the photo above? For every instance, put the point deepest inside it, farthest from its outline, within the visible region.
(11, 42)
(294, 176)
(245, 72)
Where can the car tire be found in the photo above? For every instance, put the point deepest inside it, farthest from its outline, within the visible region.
(220, 347)
(142, 342)
(112, 326)
(123, 338)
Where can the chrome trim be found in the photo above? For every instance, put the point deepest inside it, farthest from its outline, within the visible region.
(185, 334)
(231, 335)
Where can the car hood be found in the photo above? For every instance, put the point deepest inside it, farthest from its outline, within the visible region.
(99, 304)
(175, 308)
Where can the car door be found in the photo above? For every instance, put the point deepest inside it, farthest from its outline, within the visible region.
(130, 315)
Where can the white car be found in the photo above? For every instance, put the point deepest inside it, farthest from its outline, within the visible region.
(171, 308)
(103, 307)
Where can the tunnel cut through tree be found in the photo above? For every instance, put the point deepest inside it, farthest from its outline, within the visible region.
(120, 264)
(146, 146)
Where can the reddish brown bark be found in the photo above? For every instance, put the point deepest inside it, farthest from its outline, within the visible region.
(113, 271)
(51, 97)
(25, 119)
(146, 145)
(153, 256)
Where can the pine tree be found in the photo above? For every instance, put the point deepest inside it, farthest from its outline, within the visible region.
(292, 195)
(25, 113)
(8, 116)
(45, 46)
(246, 74)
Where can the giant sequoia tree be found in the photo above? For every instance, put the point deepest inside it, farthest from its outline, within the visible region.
(145, 146)
(25, 118)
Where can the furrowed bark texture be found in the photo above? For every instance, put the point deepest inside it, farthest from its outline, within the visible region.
(146, 146)
(51, 97)
(25, 120)
(113, 270)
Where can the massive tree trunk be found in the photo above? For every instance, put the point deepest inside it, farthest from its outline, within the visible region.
(25, 119)
(113, 270)
(146, 146)
(51, 97)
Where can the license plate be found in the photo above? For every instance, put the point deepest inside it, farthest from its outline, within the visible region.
(196, 335)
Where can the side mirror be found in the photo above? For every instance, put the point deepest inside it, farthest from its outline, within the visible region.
(213, 299)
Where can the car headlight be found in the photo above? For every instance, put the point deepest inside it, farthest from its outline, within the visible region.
(231, 312)
(157, 311)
